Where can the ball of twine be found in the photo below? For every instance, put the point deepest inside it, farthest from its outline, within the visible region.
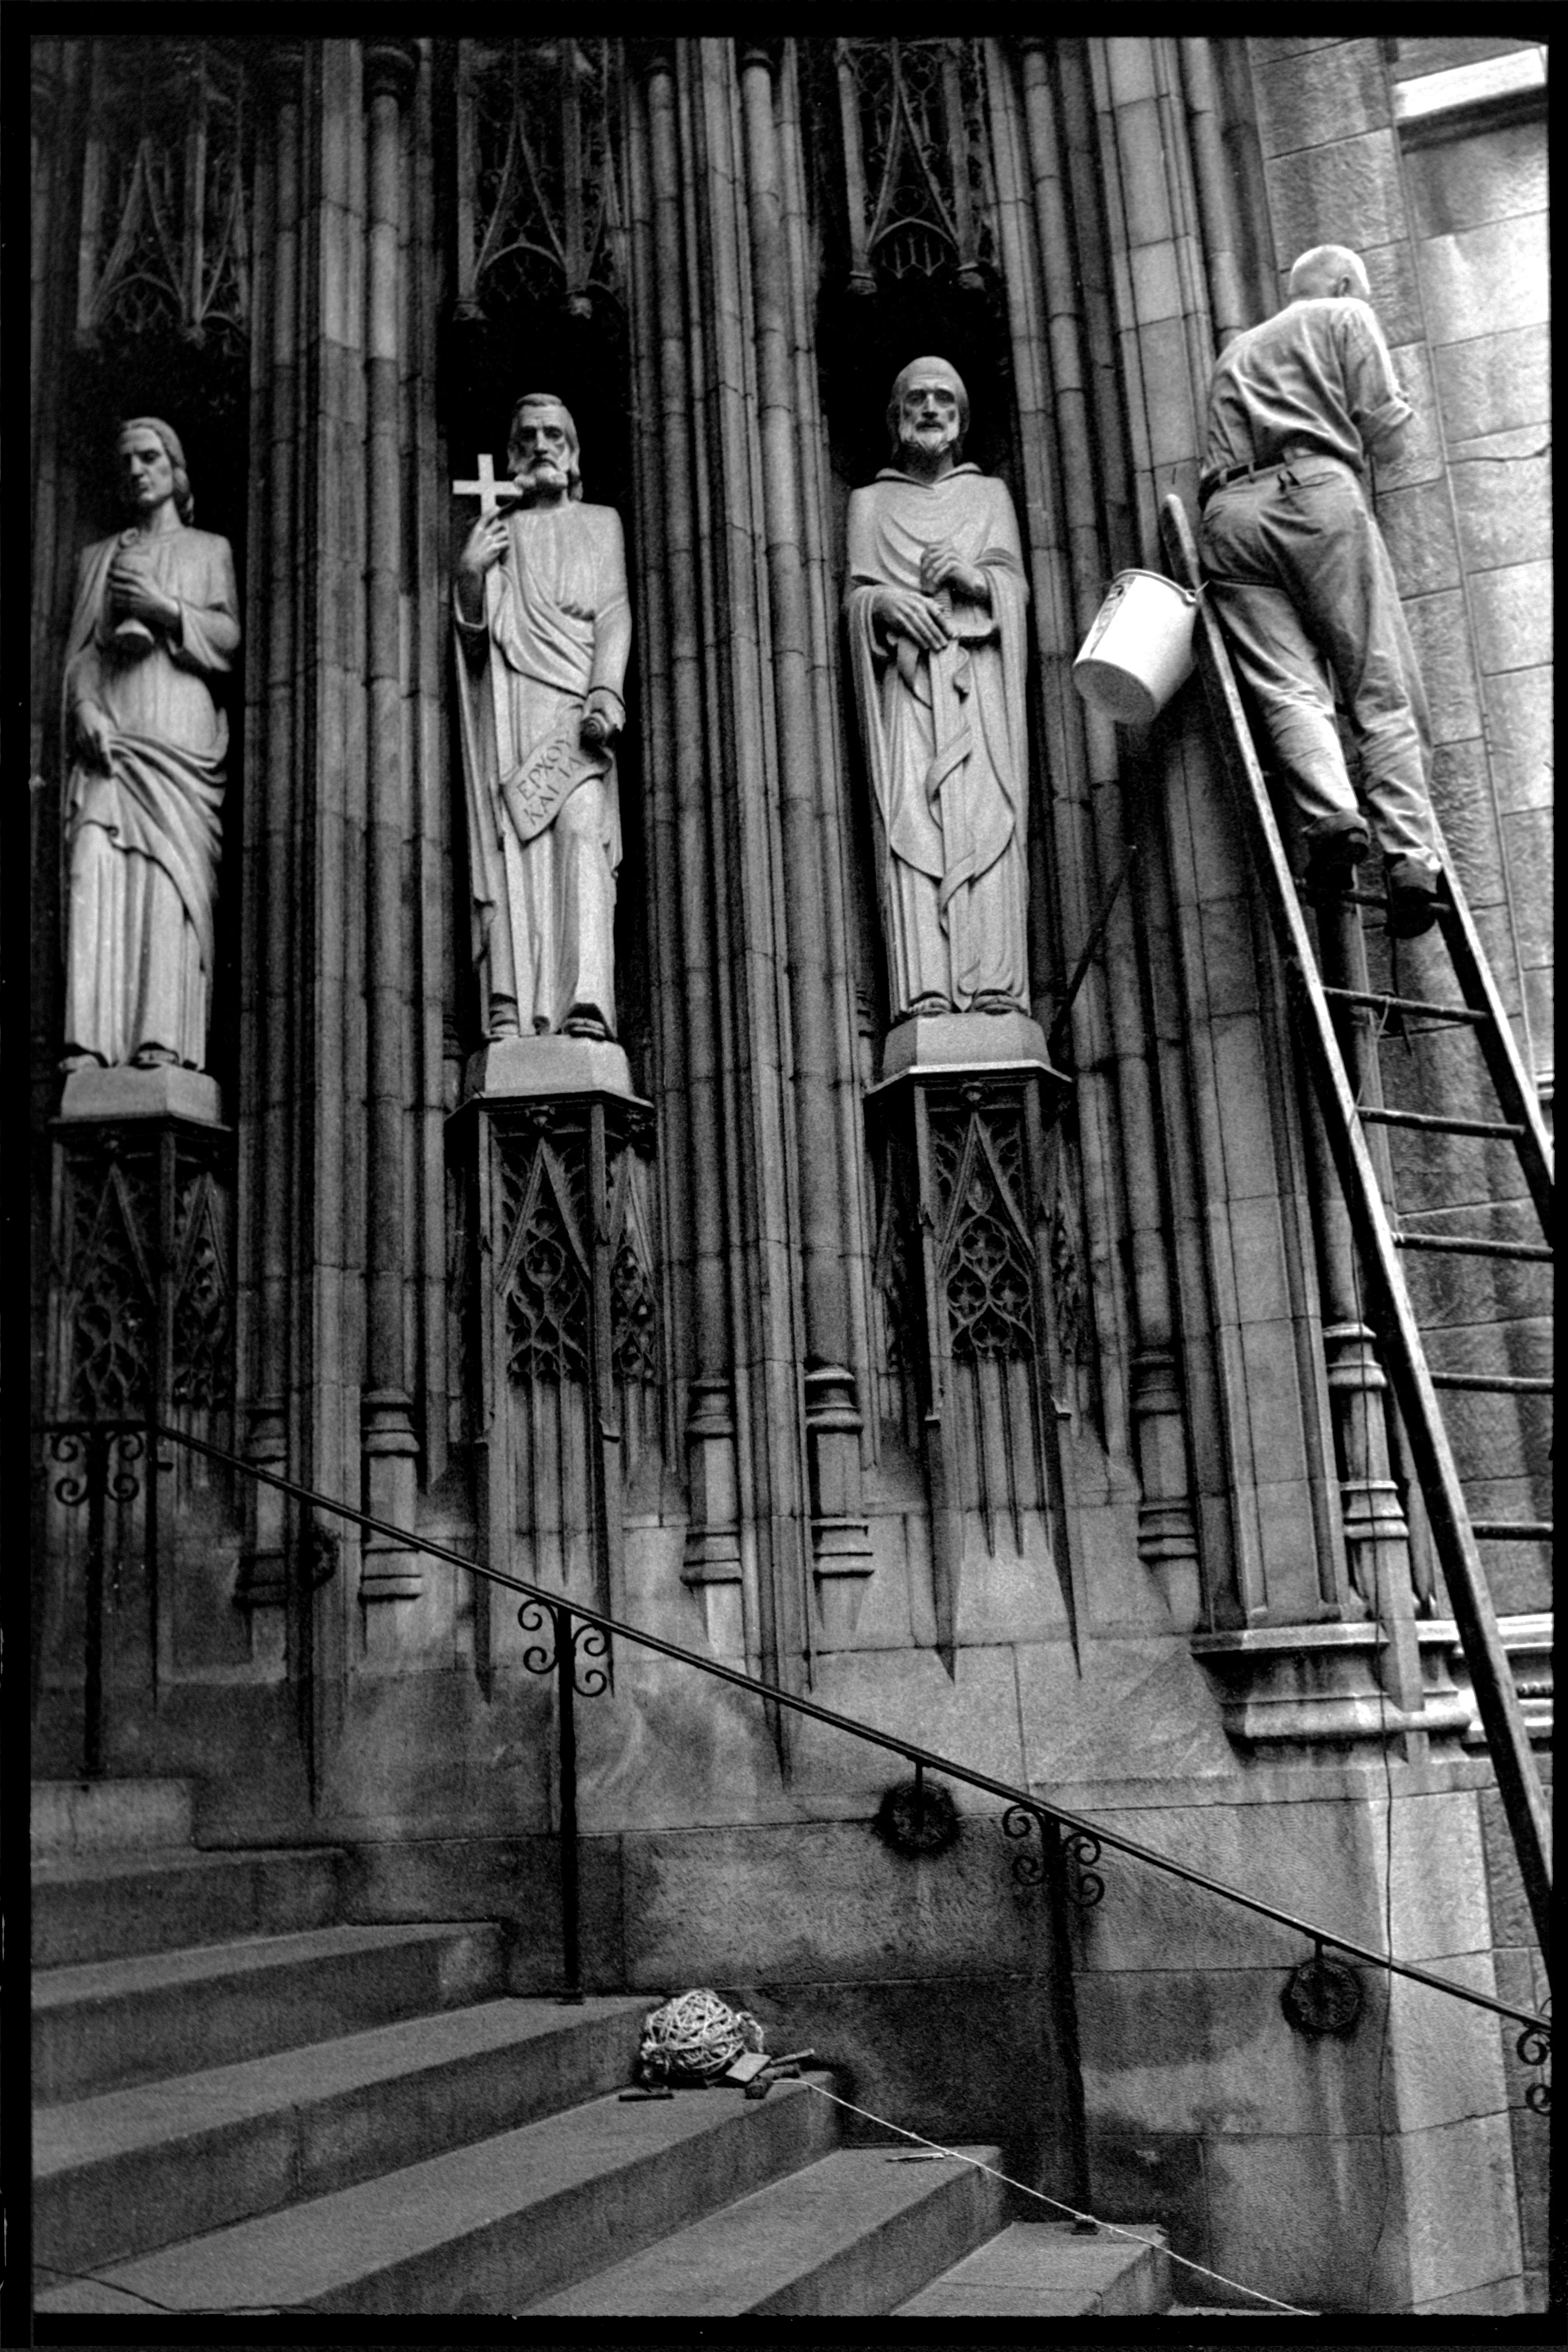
(696, 2033)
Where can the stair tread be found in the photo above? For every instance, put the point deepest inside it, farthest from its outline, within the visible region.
(739, 2258)
(155, 1862)
(1035, 2269)
(149, 2115)
(305, 2252)
(85, 1980)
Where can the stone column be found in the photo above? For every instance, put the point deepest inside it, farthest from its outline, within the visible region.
(268, 989)
(840, 1540)
(712, 1566)
(1111, 1024)
(388, 1573)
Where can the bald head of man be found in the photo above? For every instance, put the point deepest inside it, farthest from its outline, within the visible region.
(1329, 269)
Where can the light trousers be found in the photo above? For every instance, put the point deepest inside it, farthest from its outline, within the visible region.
(1302, 579)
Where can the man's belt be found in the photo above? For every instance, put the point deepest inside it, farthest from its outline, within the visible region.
(1255, 473)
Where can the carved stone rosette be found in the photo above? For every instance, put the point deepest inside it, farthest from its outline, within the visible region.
(965, 1268)
(565, 1318)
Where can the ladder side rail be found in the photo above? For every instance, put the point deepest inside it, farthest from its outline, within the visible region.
(1511, 1083)
(1518, 1780)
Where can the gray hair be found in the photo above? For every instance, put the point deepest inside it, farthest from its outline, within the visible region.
(1320, 270)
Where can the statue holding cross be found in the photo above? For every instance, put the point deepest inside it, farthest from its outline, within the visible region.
(543, 629)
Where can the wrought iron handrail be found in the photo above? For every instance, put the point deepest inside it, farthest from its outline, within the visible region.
(1018, 1800)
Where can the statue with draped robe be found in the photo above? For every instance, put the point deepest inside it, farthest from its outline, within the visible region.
(935, 611)
(543, 628)
(154, 631)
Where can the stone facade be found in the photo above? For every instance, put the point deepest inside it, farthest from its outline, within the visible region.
(1137, 1580)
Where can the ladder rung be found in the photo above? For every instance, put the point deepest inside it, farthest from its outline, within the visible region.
(1504, 1384)
(1475, 1245)
(1405, 1005)
(1434, 1123)
(1512, 1530)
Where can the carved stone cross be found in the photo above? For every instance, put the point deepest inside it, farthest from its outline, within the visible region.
(489, 492)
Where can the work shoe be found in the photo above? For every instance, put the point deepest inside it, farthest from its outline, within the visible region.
(1413, 896)
(1333, 855)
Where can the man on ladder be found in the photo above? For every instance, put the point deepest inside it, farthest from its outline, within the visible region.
(1298, 568)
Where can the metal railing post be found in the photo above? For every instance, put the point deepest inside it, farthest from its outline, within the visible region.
(96, 1445)
(1054, 1838)
(566, 1732)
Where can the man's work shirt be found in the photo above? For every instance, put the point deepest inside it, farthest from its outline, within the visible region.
(1315, 378)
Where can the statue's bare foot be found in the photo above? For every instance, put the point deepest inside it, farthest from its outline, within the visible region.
(154, 1057)
(71, 1061)
(995, 1005)
(585, 1024)
(928, 1008)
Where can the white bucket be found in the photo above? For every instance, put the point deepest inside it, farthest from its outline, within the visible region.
(1140, 649)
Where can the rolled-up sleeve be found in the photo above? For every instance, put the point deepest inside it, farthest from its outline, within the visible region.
(1377, 405)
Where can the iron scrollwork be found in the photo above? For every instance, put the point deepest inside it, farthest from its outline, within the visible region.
(67, 1447)
(1085, 1884)
(1081, 1882)
(589, 1644)
(81, 1460)
(1534, 2048)
(1020, 1821)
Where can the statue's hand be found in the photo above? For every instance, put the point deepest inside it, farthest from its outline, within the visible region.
(603, 719)
(484, 547)
(94, 734)
(904, 613)
(942, 566)
(134, 597)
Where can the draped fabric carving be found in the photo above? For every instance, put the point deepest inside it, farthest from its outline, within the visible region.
(164, 230)
(540, 212)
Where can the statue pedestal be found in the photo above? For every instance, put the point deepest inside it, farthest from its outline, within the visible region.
(958, 1128)
(556, 1153)
(975, 1041)
(514, 1067)
(125, 1093)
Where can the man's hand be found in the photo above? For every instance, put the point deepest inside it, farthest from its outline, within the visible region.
(942, 566)
(94, 734)
(133, 597)
(902, 614)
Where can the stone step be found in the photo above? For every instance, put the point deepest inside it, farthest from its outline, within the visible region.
(852, 2234)
(120, 2174)
(1041, 2269)
(486, 2228)
(105, 1907)
(110, 1816)
(105, 2024)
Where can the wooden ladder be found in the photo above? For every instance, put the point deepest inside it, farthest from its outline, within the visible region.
(1379, 1240)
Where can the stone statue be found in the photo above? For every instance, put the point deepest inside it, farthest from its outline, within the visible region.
(543, 632)
(935, 609)
(155, 626)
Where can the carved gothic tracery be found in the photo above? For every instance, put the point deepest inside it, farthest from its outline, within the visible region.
(540, 214)
(121, 1290)
(915, 179)
(164, 235)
